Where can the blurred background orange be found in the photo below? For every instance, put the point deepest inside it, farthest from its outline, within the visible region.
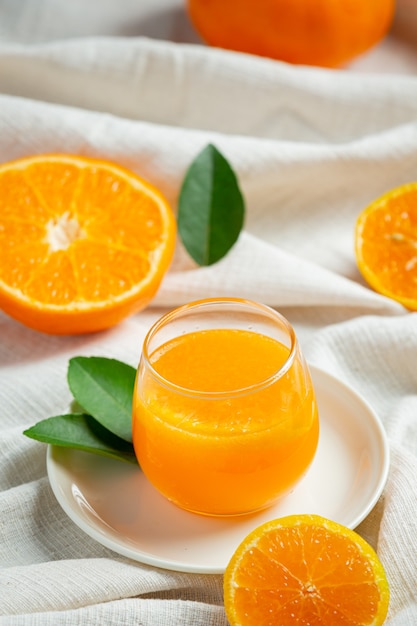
(326, 33)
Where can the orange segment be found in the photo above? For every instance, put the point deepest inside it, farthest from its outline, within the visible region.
(386, 244)
(306, 570)
(83, 242)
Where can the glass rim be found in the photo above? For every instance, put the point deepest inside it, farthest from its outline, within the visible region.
(214, 395)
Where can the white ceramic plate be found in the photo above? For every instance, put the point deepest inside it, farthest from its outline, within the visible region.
(114, 503)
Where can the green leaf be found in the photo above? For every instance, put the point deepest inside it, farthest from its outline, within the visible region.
(104, 388)
(82, 432)
(211, 207)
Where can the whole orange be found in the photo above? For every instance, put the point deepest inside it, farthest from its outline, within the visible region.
(326, 33)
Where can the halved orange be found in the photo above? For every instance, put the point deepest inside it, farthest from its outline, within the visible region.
(305, 570)
(386, 244)
(83, 242)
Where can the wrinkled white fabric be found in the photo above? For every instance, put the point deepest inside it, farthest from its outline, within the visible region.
(311, 149)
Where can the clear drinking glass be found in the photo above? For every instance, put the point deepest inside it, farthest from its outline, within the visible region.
(225, 418)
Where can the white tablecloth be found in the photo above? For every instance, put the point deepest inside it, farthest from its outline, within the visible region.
(311, 148)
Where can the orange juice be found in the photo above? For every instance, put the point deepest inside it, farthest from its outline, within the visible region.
(224, 420)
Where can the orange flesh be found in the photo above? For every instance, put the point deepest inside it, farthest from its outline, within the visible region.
(229, 455)
(105, 238)
(386, 245)
(305, 570)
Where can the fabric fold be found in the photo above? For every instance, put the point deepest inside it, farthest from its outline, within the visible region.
(195, 87)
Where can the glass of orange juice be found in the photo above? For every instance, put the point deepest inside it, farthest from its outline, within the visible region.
(225, 418)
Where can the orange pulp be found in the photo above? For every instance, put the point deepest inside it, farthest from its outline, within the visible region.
(226, 435)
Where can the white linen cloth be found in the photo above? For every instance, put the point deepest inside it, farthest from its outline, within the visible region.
(311, 149)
